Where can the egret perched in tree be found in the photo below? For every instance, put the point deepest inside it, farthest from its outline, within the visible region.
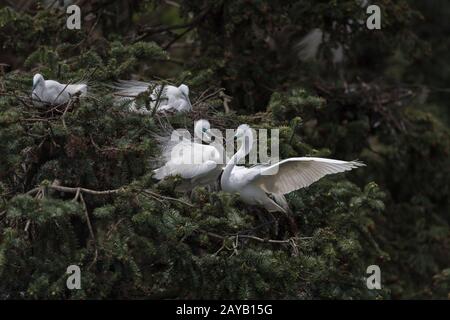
(309, 46)
(266, 185)
(53, 92)
(170, 99)
(198, 164)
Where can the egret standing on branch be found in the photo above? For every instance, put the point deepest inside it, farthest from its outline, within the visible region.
(266, 185)
(166, 98)
(53, 92)
(198, 164)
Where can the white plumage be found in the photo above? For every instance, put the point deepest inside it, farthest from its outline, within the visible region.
(53, 92)
(266, 185)
(171, 99)
(309, 46)
(196, 163)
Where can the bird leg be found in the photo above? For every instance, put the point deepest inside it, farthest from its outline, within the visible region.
(293, 228)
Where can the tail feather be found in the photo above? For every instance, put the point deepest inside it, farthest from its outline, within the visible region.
(79, 88)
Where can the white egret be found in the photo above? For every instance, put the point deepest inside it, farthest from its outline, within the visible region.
(309, 46)
(53, 92)
(198, 164)
(171, 99)
(266, 185)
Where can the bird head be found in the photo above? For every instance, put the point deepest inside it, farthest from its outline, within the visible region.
(184, 89)
(185, 92)
(242, 131)
(201, 130)
(37, 80)
(244, 135)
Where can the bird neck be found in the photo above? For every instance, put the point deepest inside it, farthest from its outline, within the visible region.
(244, 150)
(40, 85)
(38, 91)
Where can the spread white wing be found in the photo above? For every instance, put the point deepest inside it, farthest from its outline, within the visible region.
(296, 173)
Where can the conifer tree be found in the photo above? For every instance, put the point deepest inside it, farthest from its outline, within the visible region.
(76, 185)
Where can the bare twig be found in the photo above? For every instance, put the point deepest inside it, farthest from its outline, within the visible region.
(77, 195)
(113, 228)
(204, 96)
(178, 37)
(154, 194)
(160, 29)
(245, 236)
(64, 115)
(91, 231)
(226, 100)
(235, 238)
(65, 87)
(27, 225)
(84, 190)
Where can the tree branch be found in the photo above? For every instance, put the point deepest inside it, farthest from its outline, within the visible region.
(153, 30)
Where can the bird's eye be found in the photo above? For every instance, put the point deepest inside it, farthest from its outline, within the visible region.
(204, 129)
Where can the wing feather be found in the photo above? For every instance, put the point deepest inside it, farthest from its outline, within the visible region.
(186, 171)
(131, 88)
(296, 173)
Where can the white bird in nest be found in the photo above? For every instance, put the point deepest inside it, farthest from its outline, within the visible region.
(54, 93)
(170, 99)
(266, 185)
(196, 163)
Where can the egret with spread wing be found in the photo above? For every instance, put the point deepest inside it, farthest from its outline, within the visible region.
(266, 185)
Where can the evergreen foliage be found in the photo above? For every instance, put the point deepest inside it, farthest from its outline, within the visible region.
(76, 185)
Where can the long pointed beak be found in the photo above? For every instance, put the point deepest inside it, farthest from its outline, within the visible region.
(207, 135)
